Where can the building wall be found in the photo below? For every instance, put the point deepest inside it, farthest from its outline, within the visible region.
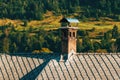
(68, 38)
(72, 40)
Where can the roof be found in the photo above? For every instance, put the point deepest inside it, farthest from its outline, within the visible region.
(70, 20)
(68, 28)
(47, 67)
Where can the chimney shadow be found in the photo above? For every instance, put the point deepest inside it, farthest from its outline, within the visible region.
(34, 73)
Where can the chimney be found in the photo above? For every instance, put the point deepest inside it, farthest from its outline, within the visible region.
(68, 36)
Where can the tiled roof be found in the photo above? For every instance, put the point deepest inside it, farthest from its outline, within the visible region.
(70, 20)
(47, 67)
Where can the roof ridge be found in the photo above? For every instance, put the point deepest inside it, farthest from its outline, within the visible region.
(97, 54)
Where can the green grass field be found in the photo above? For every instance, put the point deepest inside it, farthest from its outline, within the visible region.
(51, 22)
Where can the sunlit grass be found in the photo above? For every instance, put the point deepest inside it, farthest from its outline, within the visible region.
(51, 22)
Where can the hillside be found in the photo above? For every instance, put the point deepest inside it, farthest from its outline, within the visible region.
(51, 21)
(45, 14)
(32, 26)
(35, 9)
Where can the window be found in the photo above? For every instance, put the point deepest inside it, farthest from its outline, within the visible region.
(70, 34)
(74, 34)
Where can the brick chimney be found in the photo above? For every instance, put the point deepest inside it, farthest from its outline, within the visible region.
(68, 36)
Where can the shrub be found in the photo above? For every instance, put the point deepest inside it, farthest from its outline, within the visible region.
(101, 51)
(45, 50)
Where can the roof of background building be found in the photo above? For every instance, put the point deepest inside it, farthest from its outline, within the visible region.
(70, 20)
(47, 66)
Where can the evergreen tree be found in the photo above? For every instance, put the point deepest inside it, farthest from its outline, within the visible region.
(0, 45)
(5, 45)
(96, 45)
(115, 33)
(87, 44)
(106, 41)
(79, 46)
(34, 9)
(117, 44)
(13, 48)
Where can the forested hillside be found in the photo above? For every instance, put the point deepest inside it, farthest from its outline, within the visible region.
(34, 9)
(31, 26)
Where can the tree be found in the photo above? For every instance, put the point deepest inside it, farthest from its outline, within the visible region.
(107, 36)
(51, 41)
(115, 33)
(114, 47)
(13, 48)
(6, 45)
(37, 45)
(87, 44)
(108, 5)
(84, 18)
(96, 45)
(117, 44)
(1, 44)
(24, 38)
(82, 33)
(79, 46)
(25, 23)
(106, 41)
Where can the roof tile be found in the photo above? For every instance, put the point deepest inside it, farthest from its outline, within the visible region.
(82, 66)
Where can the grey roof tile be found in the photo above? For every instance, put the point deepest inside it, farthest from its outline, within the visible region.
(78, 67)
